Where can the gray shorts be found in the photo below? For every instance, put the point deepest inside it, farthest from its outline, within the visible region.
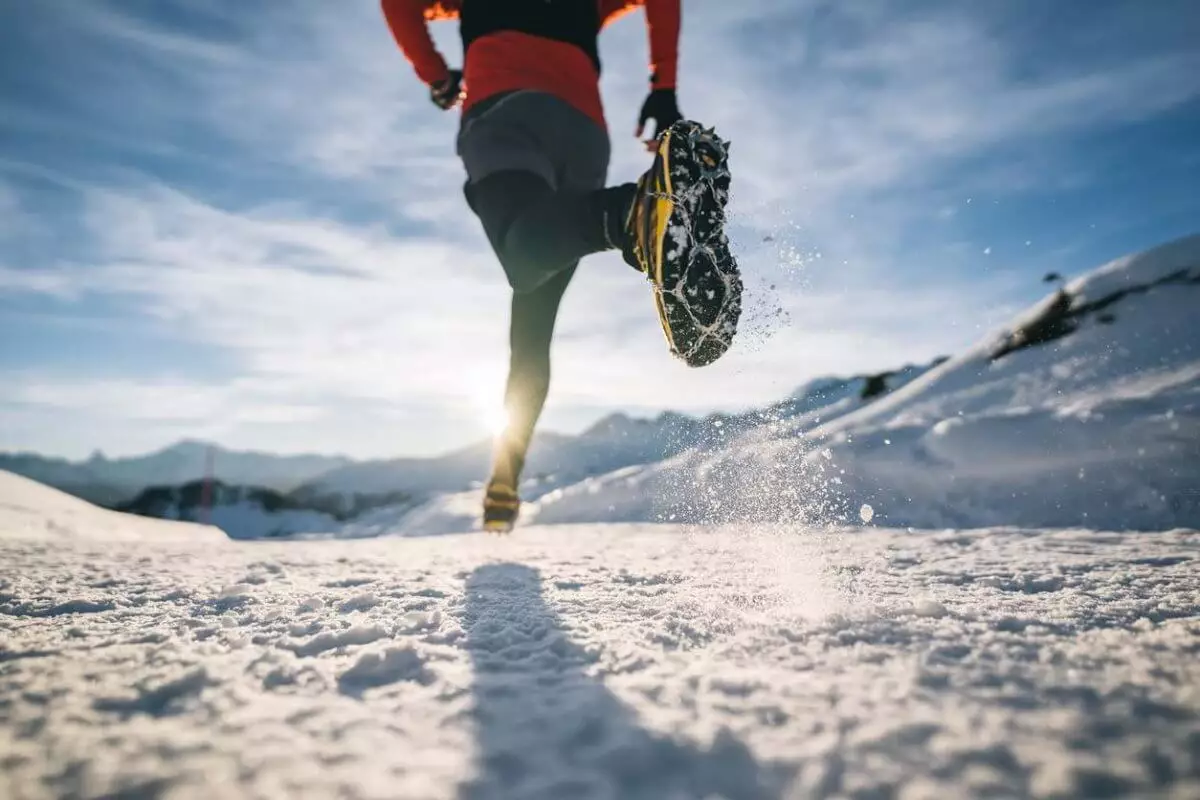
(535, 132)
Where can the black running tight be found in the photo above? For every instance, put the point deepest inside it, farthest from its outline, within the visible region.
(537, 232)
(539, 235)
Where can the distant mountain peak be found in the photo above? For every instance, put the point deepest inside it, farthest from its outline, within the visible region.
(191, 446)
(186, 460)
(621, 424)
(612, 423)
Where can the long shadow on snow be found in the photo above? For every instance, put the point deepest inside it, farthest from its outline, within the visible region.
(548, 730)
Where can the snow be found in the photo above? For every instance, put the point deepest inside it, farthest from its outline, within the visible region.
(249, 520)
(782, 650)
(1098, 428)
(379, 669)
(242, 512)
(29, 509)
(599, 661)
(448, 513)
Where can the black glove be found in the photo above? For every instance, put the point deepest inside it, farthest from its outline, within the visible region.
(661, 107)
(446, 93)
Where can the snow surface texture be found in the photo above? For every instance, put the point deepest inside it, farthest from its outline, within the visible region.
(249, 520)
(598, 662)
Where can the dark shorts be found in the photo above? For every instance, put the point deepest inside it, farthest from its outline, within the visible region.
(534, 132)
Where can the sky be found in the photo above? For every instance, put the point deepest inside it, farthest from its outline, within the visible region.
(243, 222)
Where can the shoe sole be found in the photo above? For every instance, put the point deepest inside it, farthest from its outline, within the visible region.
(497, 527)
(698, 288)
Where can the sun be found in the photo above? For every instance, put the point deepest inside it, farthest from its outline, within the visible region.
(495, 419)
(487, 406)
(492, 414)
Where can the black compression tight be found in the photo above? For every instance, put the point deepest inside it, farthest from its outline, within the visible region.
(539, 235)
(538, 232)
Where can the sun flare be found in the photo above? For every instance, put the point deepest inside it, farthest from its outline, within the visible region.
(495, 419)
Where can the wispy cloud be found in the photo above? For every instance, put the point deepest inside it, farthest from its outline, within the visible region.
(271, 184)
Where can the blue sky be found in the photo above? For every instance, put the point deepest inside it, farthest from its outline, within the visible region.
(244, 222)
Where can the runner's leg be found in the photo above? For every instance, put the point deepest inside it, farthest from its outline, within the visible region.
(530, 335)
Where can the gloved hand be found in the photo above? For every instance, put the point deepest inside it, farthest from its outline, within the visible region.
(661, 107)
(446, 93)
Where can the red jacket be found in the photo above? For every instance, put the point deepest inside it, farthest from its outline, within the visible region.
(512, 48)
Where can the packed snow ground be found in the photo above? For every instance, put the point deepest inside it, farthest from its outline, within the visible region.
(600, 662)
(143, 658)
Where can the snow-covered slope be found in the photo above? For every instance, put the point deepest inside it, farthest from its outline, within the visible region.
(1085, 411)
(242, 512)
(594, 662)
(616, 442)
(247, 519)
(620, 446)
(31, 510)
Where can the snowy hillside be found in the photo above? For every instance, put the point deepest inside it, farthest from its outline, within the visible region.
(376, 497)
(29, 510)
(615, 448)
(1085, 411)
(242, 512)
(613, 443)
(598, 662)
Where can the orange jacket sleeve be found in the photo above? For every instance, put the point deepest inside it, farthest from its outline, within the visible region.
(612, 10)
(663, 22)
(407, 20)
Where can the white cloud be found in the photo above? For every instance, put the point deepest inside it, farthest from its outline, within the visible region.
(16, 223)
(881, 94)
(22, 281)
(347, 308)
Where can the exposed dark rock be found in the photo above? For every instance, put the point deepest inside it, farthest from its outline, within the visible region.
(1063, 315)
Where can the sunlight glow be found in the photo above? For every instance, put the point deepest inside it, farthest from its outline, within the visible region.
(496, 419)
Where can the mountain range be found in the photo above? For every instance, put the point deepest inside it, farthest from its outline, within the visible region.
(346, 487)
(1085, 409)
(112, 481)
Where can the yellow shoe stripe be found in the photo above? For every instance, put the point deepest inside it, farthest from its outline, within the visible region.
(663, 206)
(662, 215)
(664, 150)
(662, 319)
